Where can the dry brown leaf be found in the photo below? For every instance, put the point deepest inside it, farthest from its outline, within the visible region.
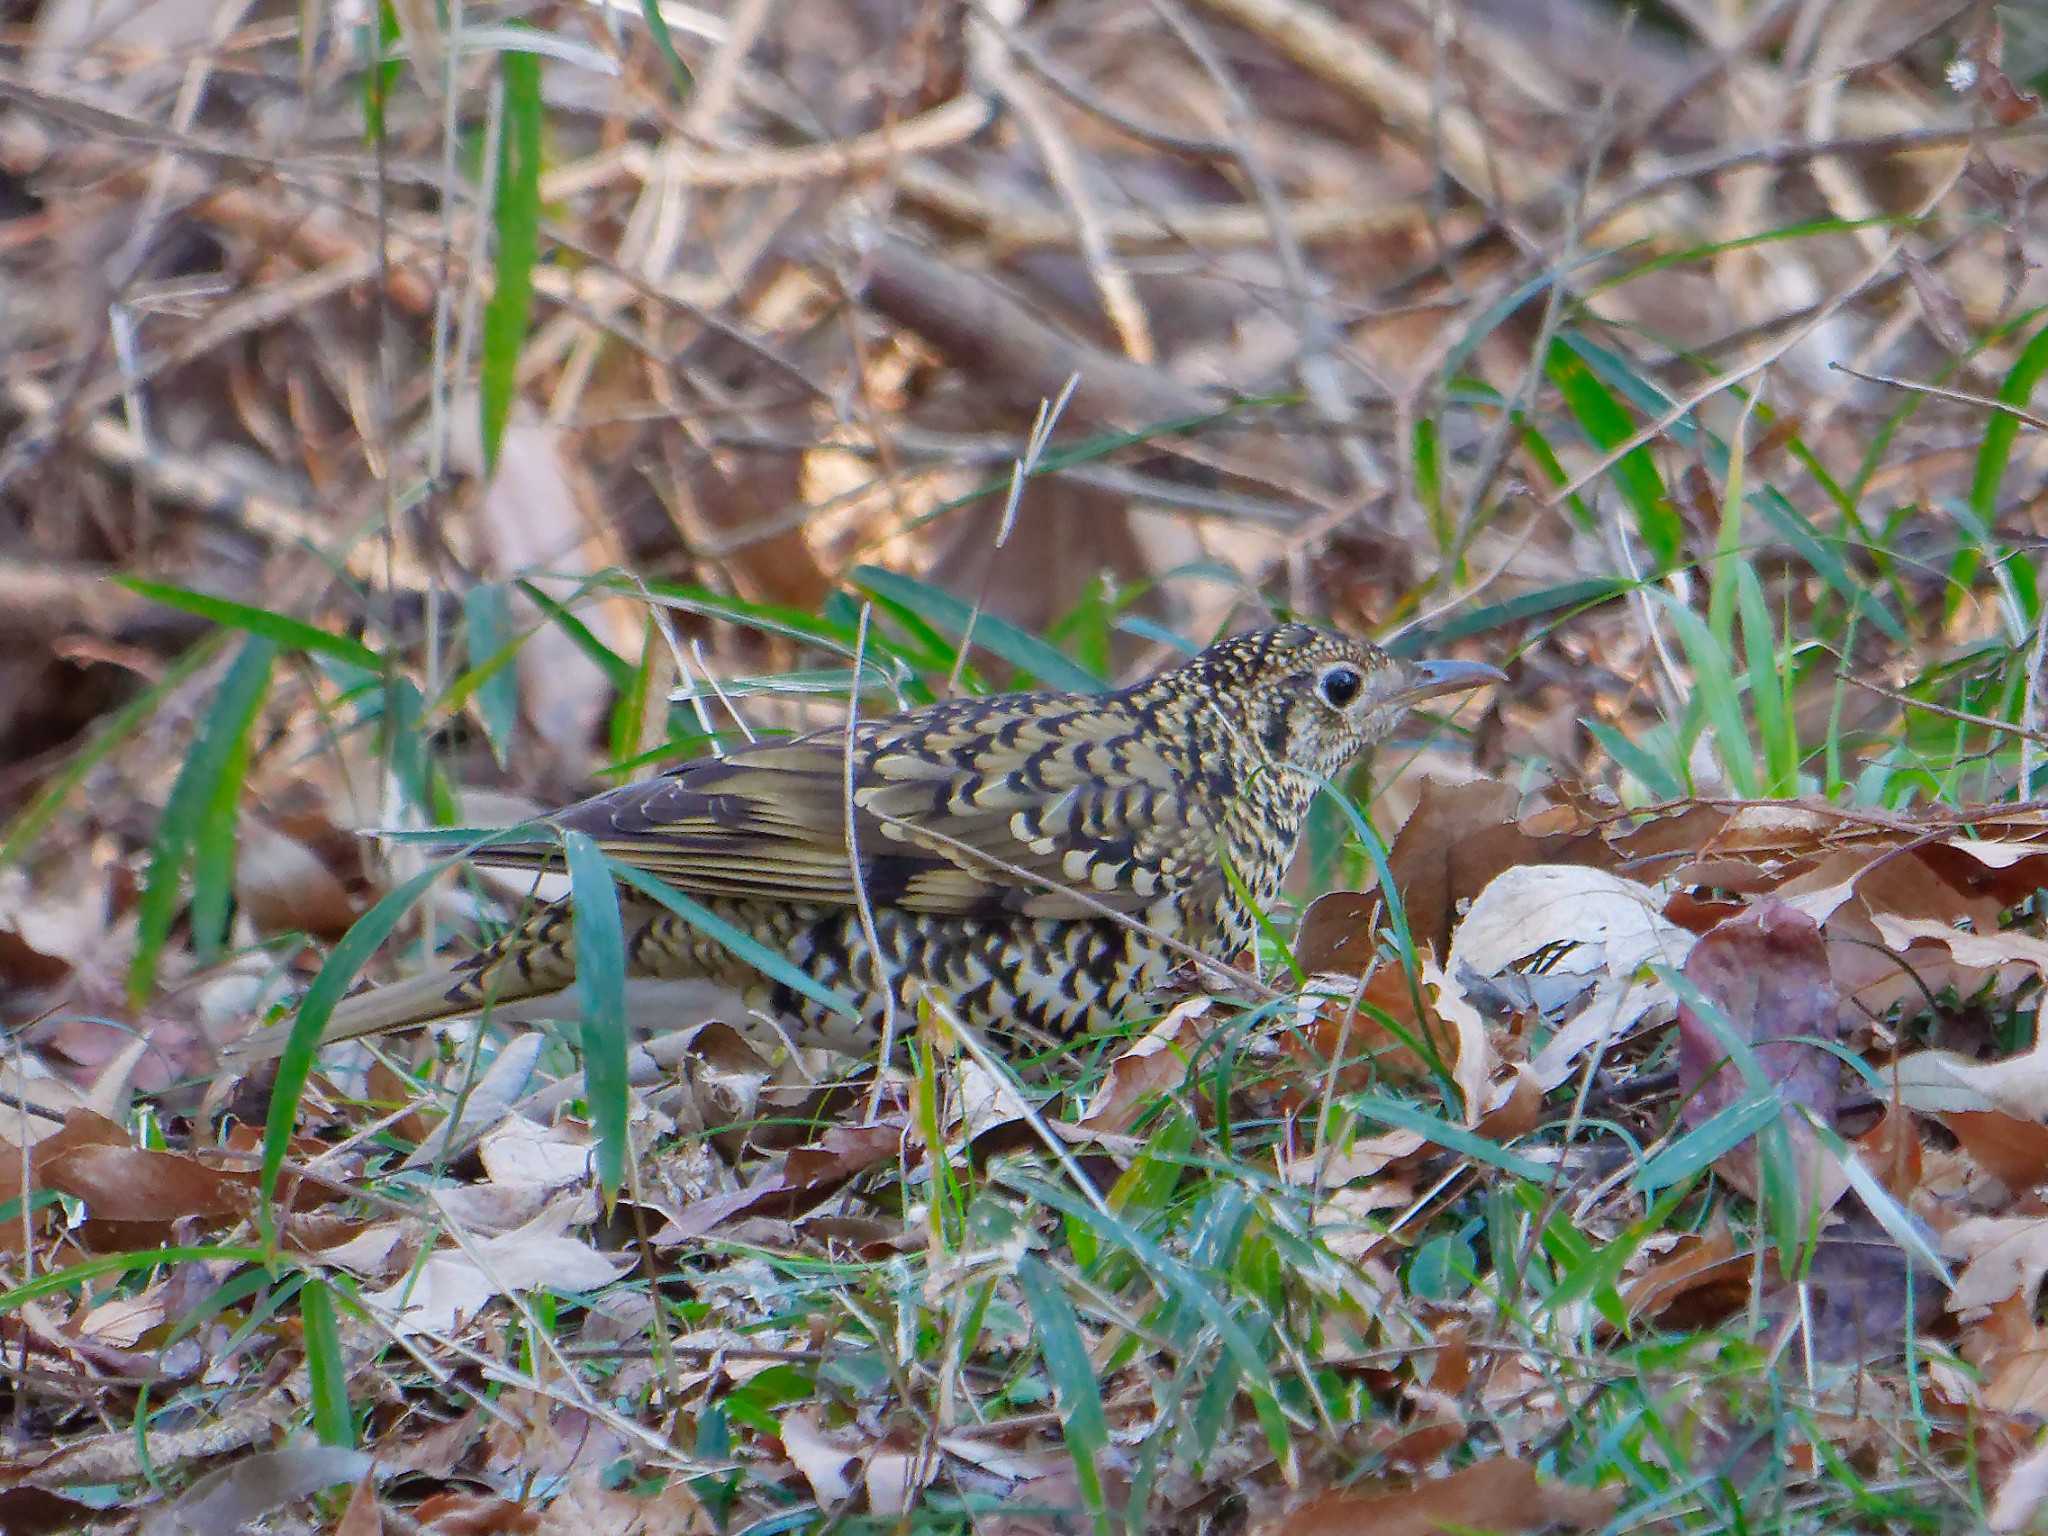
(1156, 1063)
(285, 887)
(1501, 1495)
(1461, 836)
(362, 1517)
(453, 1284)
(2012, 1150)
(2010, 1349)
(1699, 1263)
(1336, 936)
(2020, 1495)
(807, 1176)
(475, 1514)
(2002, 1256)
(585, 1507)
(823, 1457)
(254, 1486)
(1344, 1033)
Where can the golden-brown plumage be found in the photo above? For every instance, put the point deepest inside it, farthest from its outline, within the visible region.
(1032, 858)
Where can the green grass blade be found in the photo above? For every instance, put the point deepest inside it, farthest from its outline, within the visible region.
(1065, 1352)
(774, 966)
(295, 1065)
(1403, 1116)
(383, 72)
(137, 1261)
(1654, 776)
(193, 793)
(1189, 1287)
(617, 670)
(998, 637)
(286, 632)
(1607, 425)
(1775, 727)
(1573, 596)
(326, 1369)
(2002, 428)
(657, 28)
(491, 646)
(1700, 1147)
(213, 852)
(629, 714)
(515, 217)
(1714, 684)
(601, 1000)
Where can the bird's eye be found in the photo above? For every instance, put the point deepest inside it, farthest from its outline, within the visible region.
(1339, 686)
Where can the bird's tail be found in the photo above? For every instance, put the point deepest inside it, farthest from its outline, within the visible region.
(535, 961)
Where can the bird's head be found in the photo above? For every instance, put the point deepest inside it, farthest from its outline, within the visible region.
(1314, 700)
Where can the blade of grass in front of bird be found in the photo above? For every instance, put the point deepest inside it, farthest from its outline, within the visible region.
(1264, 924)
(601, 1001)
(228, 721)
(295, 1064)
(1425, 1044)
(748, 949)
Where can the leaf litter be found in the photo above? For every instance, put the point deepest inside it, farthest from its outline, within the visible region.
(1397, 1252)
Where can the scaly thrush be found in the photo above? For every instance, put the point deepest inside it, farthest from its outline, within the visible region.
(1035, 859)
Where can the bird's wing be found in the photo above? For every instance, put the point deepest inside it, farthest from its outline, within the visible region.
(980, 807)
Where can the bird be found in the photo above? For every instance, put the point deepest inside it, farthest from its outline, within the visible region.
(1039, 862)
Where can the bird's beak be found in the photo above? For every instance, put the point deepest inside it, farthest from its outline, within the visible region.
(1429, 679)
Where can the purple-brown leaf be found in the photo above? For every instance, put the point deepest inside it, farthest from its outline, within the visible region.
(1767, 973)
